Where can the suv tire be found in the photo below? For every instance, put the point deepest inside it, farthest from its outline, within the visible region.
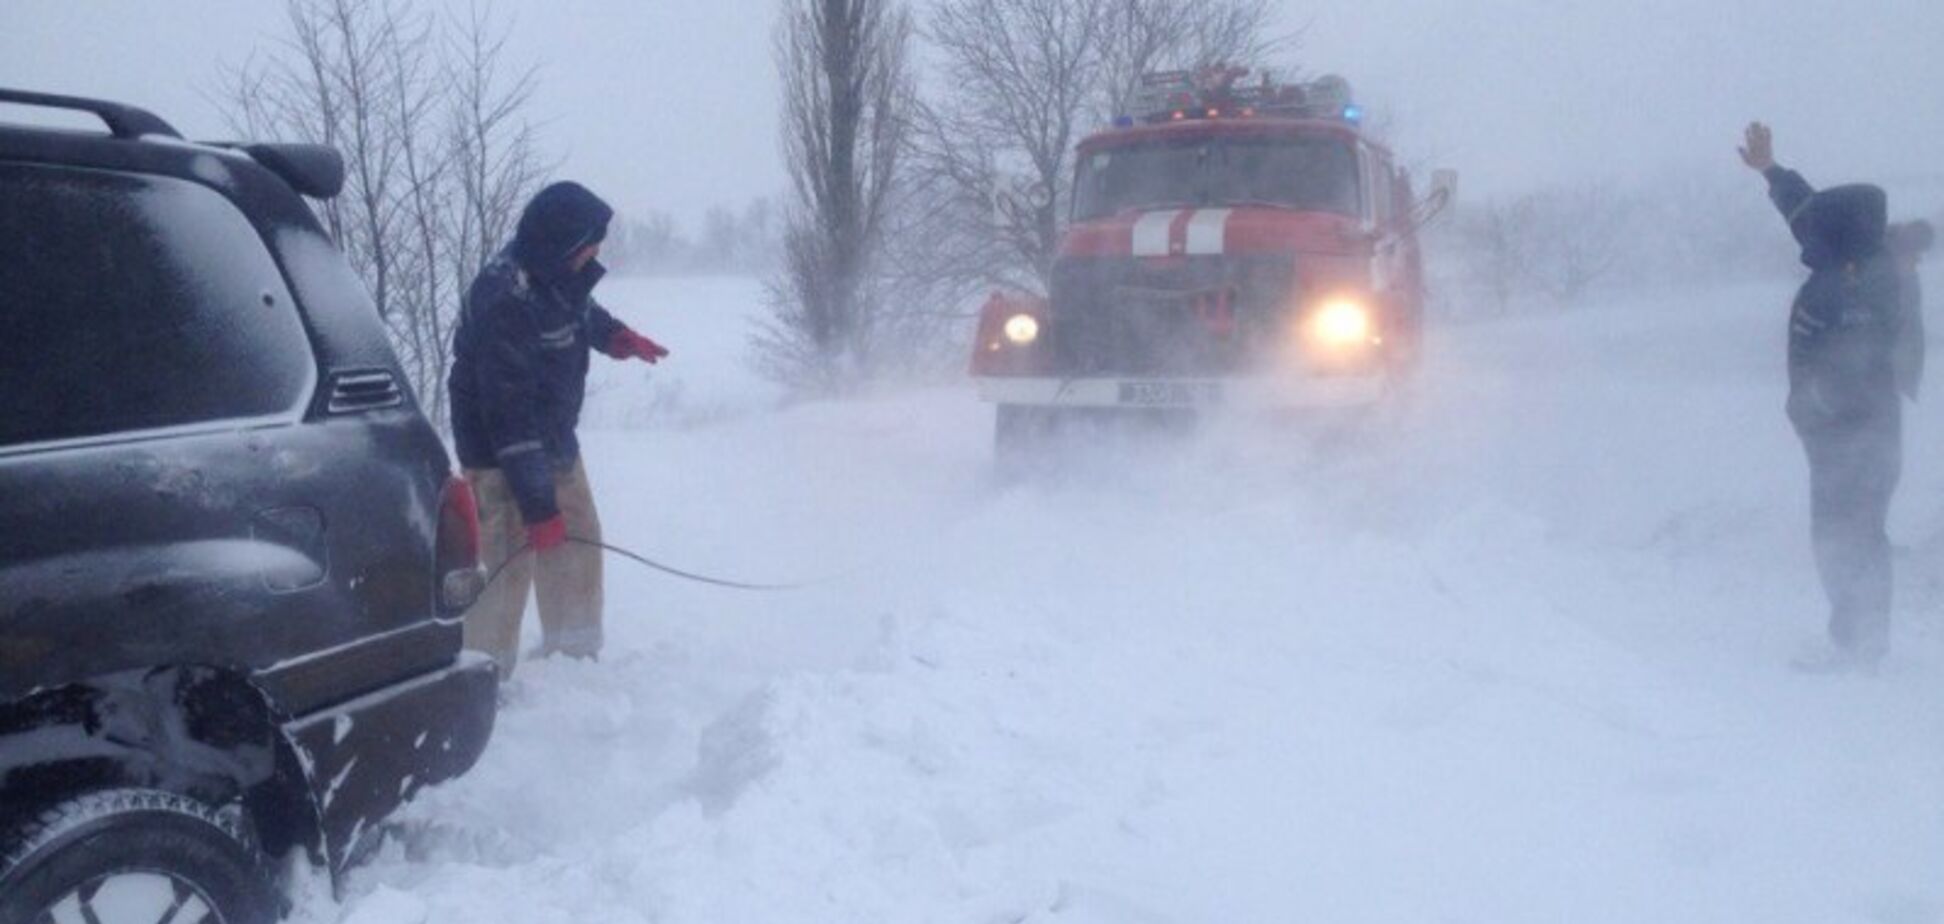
(134, 856)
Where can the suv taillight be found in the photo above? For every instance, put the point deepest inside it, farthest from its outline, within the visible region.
(457, 553)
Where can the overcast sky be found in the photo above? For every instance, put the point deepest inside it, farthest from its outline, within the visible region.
(672, 105)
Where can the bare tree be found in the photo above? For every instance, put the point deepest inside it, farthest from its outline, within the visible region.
(1023, 78)
(438, 153)
(1550, 248)
(492, 163)
(1145, 36)
(847, 95)
(1495, 247)
(492, 142)
(1581, 235)
(419, 303)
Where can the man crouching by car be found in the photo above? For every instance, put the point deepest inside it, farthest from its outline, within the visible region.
(519, 376)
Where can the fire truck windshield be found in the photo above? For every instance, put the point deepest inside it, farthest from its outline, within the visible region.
(1312, 174)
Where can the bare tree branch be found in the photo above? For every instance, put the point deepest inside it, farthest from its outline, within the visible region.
(847, 101)
(439, 155)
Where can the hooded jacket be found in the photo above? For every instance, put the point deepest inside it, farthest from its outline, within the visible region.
(520, 354)
(1844, 325)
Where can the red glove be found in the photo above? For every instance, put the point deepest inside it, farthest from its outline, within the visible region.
(548, 534)
(627, 344)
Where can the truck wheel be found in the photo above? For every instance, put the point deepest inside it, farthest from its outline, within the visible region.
(134, 856)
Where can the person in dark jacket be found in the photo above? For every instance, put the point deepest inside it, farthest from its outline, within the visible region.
(1843, 397)
(519, 376)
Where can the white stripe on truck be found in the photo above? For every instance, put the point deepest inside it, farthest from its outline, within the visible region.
(1208, 232)
(1151, 234)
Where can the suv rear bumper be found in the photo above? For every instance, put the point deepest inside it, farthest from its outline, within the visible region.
(368, 757)
(1267, 392)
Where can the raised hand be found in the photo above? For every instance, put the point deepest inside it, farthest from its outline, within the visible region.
(1758, 147)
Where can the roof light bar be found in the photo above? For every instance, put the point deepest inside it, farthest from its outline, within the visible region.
(1213, 93)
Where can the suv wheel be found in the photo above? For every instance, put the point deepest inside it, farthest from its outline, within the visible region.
(134, 856)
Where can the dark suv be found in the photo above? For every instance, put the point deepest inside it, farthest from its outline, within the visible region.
(233, 556)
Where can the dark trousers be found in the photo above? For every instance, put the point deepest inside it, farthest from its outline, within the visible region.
(1854, 466)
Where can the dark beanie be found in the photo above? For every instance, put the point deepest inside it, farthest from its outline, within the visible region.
(561, 220)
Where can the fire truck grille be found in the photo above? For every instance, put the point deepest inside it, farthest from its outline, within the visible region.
(1187, 316)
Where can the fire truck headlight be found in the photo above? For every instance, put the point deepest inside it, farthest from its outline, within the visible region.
(1342, 323)
(1022, 329)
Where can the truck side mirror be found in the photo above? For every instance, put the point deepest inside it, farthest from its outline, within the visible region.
(1445, 183)
(1015, 198)
(1444, 192)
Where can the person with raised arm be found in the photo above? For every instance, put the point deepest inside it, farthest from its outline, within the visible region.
(1843, 398)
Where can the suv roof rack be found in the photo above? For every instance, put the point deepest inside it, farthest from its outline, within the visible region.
(122, 121)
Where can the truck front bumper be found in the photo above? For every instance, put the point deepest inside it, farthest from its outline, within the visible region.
(1245, 393)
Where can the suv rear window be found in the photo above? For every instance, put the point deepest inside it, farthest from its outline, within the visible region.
(132, 303)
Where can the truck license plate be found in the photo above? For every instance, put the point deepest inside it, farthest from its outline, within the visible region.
(1169, 394)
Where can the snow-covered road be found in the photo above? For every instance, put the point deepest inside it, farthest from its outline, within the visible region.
(1520, 659)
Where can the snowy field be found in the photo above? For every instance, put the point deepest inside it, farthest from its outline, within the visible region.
(1518, 658)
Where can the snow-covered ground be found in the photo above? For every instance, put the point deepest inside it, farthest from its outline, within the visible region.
(1519, 658)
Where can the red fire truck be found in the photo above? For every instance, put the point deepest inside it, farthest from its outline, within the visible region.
(1237, 243)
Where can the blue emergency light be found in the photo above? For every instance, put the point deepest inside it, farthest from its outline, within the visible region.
(1176, 96)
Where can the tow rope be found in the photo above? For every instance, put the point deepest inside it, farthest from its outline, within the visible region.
(669, 570)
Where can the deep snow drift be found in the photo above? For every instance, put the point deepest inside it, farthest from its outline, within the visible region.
(1519, 657)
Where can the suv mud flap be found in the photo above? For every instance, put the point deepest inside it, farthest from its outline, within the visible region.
(367, 757)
